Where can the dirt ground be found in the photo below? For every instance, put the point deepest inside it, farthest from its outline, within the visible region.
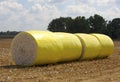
(99, 70)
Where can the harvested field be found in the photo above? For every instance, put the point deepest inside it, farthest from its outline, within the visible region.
(99, 70)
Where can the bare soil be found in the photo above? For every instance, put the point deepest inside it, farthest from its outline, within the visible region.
(99, 70)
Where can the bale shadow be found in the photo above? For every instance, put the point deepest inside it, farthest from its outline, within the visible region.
(51, 64)
(13, 66)
(23, 67)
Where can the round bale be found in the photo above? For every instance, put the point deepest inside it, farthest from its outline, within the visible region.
(107, 45)
(71, 46)
(90, 45)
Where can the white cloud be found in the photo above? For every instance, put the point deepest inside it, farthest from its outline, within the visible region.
(36, 14)
(106, 8)
(80, 10)
(111, 13)
(10, 15)
(101, 1)
(10, 4)
(97, 2)
(35, 1)
(21, 18)
(47, 1)
(7, 6)
(117, 3)
(39, 16)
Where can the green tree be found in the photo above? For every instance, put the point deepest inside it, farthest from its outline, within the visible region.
(68, 24)
(97, 24)
(79, 25)
(113, 28)
(57, 25)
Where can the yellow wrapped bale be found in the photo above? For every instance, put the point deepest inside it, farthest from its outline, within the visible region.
(71, 46)
(41, 47)
(90, 44)
(27, 45)
(107, 45)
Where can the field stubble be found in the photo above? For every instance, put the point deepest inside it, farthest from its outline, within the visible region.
(99, 70)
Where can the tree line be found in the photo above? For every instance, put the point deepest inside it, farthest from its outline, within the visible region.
(81, 24)
(8, 34)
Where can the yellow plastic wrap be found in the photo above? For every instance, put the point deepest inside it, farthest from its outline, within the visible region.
(32, 47)
(107, 45)
(44, 47)
(91, 46)
(71, 46)
(40, 47)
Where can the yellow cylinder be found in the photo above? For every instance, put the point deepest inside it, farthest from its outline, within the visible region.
(40, 47)
(90, 45)
(71, 46)
(107, 45)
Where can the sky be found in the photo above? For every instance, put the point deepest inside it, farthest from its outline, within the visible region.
(23, 15)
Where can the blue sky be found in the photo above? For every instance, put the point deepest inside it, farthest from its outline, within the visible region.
(36, 14)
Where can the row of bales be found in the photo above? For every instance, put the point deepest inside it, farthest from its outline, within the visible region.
(44, 47)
